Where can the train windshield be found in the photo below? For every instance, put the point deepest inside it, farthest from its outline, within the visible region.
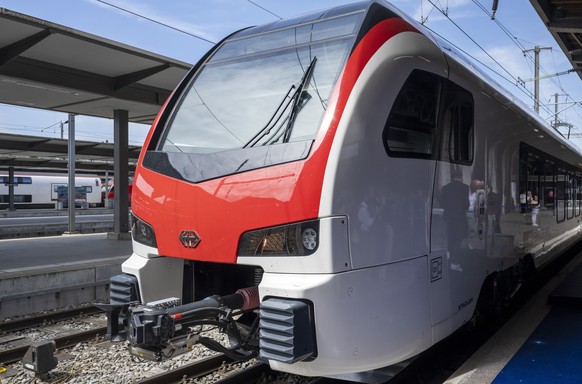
(260, 90)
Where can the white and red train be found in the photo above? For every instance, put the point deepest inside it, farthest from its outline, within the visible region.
(338, 192)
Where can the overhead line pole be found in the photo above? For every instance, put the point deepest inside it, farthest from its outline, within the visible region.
(536, 51)
(556, 96)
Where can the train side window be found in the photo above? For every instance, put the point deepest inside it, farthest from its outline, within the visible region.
(457, 124)
(548, 185)
(411, 125)
(570, 195)
(560, 195)
(577, 194)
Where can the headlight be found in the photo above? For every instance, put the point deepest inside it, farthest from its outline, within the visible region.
(142, 232)
(299, 239)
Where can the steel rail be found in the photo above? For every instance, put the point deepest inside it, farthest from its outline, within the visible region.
(249, 375)
(60, 315)
(13, 355)
(195, 369)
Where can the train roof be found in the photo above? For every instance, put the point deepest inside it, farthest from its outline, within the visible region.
(306, 18)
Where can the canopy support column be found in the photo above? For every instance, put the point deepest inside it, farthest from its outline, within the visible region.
(121, 176)
(11, 189)
(71, 190)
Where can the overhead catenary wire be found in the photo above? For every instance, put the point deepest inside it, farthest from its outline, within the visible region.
(479, 61)
(156, 21)
(473, 40)
(511, 36)
(514, 39)
(514, 80)
(265, 9)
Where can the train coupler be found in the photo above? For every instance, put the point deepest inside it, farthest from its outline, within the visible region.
(156, 333)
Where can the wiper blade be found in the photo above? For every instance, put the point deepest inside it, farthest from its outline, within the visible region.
(273, 120)
(300, 99)
(294, 99)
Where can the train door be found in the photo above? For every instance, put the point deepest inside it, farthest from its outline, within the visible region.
(57, 191)
(458, 224)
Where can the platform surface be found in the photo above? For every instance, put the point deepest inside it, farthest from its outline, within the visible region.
(552, 354)
(568, 293)
(542, 343)
(44, 251)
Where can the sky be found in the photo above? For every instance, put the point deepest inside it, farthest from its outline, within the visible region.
(496, 45)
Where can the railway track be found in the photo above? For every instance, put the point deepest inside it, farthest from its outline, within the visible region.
(217, 366)
(87, 349)
(13, 344)
(47, 318)
(223, 371)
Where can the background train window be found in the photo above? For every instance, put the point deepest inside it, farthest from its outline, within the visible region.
(457, 125)
(16, 179)
(411, 125)
(17, 198)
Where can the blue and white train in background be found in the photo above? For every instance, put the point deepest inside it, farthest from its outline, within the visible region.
(46, 190)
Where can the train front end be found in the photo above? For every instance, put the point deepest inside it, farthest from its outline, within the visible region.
(227, 219)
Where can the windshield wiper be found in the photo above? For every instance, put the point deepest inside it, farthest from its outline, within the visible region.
(301, 98)
(295, 99)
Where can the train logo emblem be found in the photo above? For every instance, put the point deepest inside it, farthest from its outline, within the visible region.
(189, 239)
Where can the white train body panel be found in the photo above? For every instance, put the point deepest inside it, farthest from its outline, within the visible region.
(396, 324)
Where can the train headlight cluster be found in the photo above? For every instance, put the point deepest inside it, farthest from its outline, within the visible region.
(298, 239)
(142, 232)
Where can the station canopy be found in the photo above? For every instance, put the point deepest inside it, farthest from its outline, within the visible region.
(563, 18)
(50, 155)
(49, 66)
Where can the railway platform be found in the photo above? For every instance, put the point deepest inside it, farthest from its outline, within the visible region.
(542, 343)
(30, 223)
(43, 273)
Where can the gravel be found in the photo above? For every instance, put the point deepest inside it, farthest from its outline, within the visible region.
(100, 361)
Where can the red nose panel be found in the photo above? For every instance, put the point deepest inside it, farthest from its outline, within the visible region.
(205, 221)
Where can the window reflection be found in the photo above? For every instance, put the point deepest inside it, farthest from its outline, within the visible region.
(235, 97)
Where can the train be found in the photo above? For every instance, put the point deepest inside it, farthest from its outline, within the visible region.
(49, 190)
(336, 193)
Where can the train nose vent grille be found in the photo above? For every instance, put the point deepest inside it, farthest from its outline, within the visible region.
(286, 331)
(122, 289)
